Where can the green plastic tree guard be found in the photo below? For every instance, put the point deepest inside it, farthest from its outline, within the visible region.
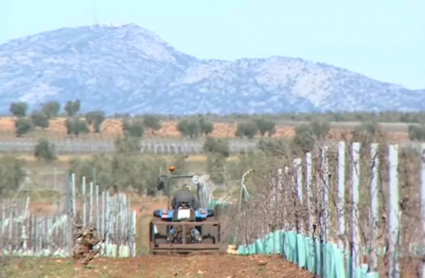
(301, 245)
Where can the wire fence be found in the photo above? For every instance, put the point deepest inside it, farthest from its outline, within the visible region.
(344, 212)
(70, 146)
(165, 146)
(25, 233)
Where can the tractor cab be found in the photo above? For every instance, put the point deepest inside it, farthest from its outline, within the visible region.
(165, 183)
(182, 209)
(176, 230)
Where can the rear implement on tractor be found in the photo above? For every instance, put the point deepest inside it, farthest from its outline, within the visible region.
(183, 230)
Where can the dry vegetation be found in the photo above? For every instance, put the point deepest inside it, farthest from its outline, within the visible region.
(285, 209)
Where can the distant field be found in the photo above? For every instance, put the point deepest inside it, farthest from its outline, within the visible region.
(113, 127)
(64, 159)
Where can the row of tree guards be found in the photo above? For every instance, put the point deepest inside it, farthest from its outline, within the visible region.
(23, 233)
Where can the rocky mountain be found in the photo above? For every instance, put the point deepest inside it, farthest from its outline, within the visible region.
(127, 69)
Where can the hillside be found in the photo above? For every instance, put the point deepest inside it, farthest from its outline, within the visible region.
(127, 69)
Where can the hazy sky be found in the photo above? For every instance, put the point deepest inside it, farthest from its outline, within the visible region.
(383, 39)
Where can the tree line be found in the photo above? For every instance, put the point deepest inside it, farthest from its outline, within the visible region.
(40, 119)
(79, 124)
(76, 124)
(360, 116)
(192, 127)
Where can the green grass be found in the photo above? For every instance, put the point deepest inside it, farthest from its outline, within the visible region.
(64, 268)
(37, 267)
(35, 195)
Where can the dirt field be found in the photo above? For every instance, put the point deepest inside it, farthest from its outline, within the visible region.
(205, 266)
(113, 127)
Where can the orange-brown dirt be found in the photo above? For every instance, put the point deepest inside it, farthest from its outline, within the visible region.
(113, 127)
(206, 266)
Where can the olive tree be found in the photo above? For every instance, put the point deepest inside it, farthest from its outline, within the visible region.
(152, 122)
(76, 126)
(72, 108)
(95, 119)
(206, 126)
(246, 130)
(44, 150)
(12, 173)
(23, 126)
(133, 127)
(189, 128)
(18, 109)
(307, 135)
(265, 126)
(39, 119)
(51, 109)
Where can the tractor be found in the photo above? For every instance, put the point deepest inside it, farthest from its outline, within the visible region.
(183, 230)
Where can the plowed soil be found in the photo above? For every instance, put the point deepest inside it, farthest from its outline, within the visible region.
(205, 266)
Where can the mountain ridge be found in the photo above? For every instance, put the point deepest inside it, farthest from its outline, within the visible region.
(128, 69)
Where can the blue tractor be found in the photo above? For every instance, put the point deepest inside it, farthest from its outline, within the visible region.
(183, 229)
